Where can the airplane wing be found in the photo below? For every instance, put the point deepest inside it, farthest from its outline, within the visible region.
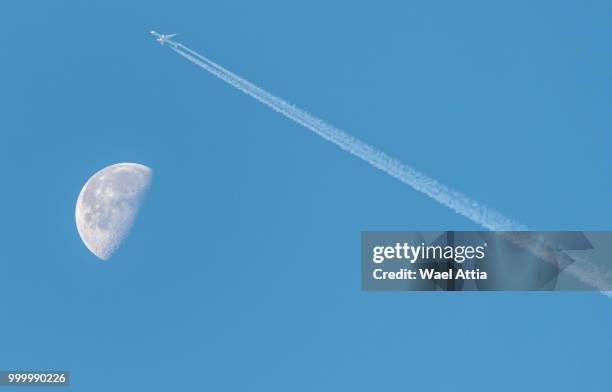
(171, 35)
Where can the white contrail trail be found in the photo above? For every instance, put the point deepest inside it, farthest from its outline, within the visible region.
(490, 219)
(452, 199)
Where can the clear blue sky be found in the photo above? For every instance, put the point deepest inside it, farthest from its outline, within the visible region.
(242, 271)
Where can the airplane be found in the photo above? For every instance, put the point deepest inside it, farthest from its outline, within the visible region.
(163, 38)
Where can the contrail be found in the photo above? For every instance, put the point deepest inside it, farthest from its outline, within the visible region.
(446, 196)
(478, 213)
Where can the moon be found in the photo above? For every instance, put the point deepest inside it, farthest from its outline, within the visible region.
(108, 205)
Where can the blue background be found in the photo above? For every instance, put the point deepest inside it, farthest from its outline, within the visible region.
(242, 271)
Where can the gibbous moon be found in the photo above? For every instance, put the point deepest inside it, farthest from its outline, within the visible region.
(108, 205)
